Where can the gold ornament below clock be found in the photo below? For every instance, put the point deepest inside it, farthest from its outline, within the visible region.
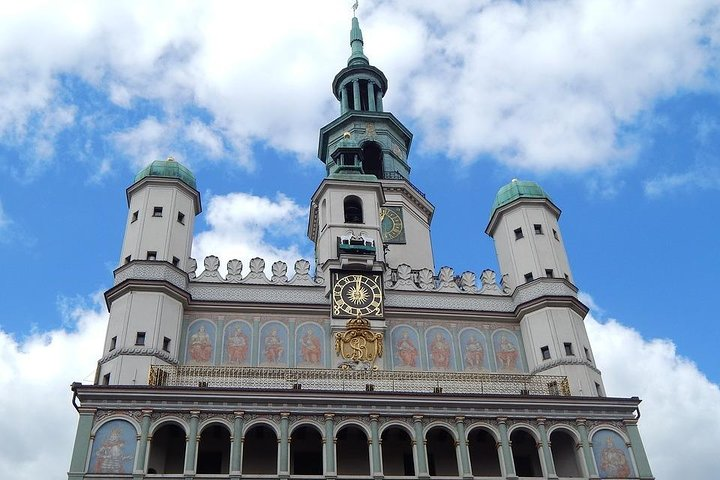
(358, 343)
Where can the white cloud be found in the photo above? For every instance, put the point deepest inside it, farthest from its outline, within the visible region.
(35, 377)
(4, 219)
(680, 421)
(537, 85)
(700, 178)
(243, 226)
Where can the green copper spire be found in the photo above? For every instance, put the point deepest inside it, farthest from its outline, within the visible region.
(357, 57)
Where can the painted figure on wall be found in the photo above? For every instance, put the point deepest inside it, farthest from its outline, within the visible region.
(114, 448)
(407, 351)
(200, 342)
(310, 347)
(473, 349)
(507, 352)
(611, 455)
(273, 344)
(237, 345)
(440, 351)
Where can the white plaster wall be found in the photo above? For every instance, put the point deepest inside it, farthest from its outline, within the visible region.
(164, 235)
(553, 327)
(156, 314)
(534, 253)
(417, 251)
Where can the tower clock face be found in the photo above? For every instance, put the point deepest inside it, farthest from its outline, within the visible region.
(392, 226)
(357, 295)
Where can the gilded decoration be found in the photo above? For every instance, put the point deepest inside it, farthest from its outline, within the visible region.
(358, 344)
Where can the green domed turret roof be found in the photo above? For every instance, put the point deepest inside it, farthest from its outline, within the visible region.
(169, 169)
(517, 189)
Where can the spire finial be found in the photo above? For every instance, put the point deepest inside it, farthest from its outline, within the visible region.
(355, 7)
(356, 41)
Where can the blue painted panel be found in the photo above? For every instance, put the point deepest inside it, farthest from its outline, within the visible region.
(113, 450)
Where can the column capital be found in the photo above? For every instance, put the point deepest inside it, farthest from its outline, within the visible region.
(459, 419)
(417, 418)
(541, 421)
(329, 416)
(502, 420)
(194, 413)
(146, 412)
(580, 421)
(284, 415)
(632, 421)
(374, 417)
(239, 414)
(87, 410)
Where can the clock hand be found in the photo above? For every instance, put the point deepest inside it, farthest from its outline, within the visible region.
(357, 283)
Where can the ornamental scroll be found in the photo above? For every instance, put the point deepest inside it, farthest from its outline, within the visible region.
(358, 344)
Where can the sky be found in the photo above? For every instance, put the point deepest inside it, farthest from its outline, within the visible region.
(612, 106)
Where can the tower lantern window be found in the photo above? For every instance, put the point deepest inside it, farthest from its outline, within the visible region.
(353, 209)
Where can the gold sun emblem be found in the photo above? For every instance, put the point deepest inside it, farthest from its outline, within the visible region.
(358, 295)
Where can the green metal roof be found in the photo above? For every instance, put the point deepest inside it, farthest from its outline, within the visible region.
(517, 189)
(169, 169)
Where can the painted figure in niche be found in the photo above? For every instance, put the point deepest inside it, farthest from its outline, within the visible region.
(613, 461)
(200, 346)
(406, 350)
(114, 448)
(237, 346)
(474, 353)
(440, 352)
(310, 348)
(507, 355)
(274, 347)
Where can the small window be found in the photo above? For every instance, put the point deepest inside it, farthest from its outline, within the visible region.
(598, 389)
(140, 338)
(568, 348)
(127, 259)
(181, 218)
(113, 343)
(549, 273)
(538, 229)
(134, 216)
(587, 354)
(106, 379)
(353, 209)
(567, 277)
(151, 255)
(545, 352)
(555, 234)
(166, 344)
(528, 277)
(518, 234)
(157, 212)
(176, 262)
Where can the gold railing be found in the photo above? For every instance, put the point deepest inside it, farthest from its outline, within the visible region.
(357, 380)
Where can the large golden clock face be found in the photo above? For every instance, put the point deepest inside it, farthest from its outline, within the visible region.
(392, 227)
(357, 295)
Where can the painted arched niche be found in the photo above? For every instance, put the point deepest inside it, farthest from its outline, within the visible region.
(310, 345)
(237, 343)
(113, 449)
(473, 348)
(612, 456)
(405, 348)
(507, 351)
(273, 345)
(200, 343)
(440, 350)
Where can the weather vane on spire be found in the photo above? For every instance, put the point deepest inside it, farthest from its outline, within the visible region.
(355, 7)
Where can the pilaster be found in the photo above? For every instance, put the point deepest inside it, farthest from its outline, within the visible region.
(142, 445)
(81, 449)
(638, 449)
(375, 447)
(547, 453)
(330, 446)
(587, 451)
(506, 450)
(283, 469)
(420, 447)
(237, 444)
(192, 441)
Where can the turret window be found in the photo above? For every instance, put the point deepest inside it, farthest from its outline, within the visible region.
(106, 379)
(372, 160)
(127, 259)
(587, 354)
(538, 229)
(353, 209)
(134, 216)
(181, 218)
(176, 262)
(113, 343)
(151, 255)
(528, 277)
(157, 211)
(549, 273)
(568, 349)
(555, 234)
(140, 338)
(545, 352)
(518, 233)
(166, 344)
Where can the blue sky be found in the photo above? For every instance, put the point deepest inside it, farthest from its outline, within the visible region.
(613, 107)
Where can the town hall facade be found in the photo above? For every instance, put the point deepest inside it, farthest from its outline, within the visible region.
(369, 361)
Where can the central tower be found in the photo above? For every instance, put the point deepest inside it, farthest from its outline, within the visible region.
(366, 215)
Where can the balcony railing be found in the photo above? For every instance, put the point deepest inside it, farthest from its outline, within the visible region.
(357, 380)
